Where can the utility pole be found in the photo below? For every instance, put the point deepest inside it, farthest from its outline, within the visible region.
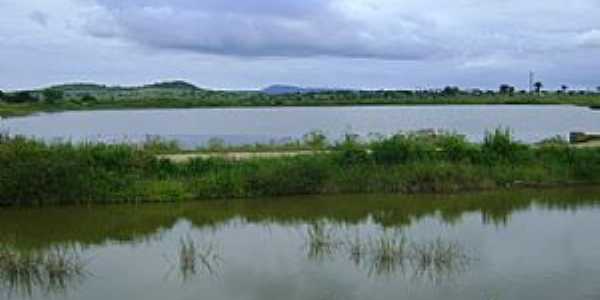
(531, 81)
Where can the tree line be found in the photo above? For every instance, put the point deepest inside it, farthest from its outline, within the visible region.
(53, 95)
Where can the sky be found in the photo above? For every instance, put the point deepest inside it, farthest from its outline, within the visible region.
(250, 44)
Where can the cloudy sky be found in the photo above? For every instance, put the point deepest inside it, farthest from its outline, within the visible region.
(247, 44)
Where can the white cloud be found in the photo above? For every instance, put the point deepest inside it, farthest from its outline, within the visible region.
(589, 38)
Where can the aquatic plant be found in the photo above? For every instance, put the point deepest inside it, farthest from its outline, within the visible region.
(195, 258)
(50, 271)
(388, 254)
(321, 241)
(438, 259)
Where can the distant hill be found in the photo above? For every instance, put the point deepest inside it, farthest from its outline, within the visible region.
(173, 85)
(280, 89)
(161, 90)
(178, 84)
(79, 87)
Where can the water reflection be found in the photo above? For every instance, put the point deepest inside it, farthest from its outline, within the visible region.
(346, 247)
(321, 241)
(389, 254)
(195, 258)
(98, 225)
(53, 271)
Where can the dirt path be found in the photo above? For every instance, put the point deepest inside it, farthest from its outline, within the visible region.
(185, 157)
(179, 158)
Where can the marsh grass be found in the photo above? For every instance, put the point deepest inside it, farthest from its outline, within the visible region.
(52, 271)
(321, 241)
(439, 259)
(196, 258)
(390, 255)
(33, 172)
(387, 255)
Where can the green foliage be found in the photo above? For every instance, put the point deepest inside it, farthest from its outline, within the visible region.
(52, 95)
(506, 89)
(499, 147)
(316, 140)
(20, 97)
(184, 95)
(35, 172)
(88, 98)
(456, 148)
(351, 152)
(403, 148)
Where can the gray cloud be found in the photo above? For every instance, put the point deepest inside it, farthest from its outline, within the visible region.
(386, 29)
(334, 43)
(39, 18)
(262, 28)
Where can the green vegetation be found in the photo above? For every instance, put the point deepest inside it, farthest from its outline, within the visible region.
(194, 258)
(179, 94)
(387, 254)
(35, 172)
(93, 225)
(52, 270)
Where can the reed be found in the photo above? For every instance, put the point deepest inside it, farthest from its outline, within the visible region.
(50, 271)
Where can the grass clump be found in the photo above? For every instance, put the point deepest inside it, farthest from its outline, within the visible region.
(194, 258)
(50, 271)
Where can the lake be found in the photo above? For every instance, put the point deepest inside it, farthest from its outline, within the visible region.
(525, 244)
(194, 127)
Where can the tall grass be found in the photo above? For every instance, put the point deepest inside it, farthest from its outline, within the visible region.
(35, 172)
(195, 258)
(50, 271)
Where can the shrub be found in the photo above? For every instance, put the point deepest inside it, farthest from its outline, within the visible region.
(456, 148)
(499, 147)
(351, 152)
(403, 148)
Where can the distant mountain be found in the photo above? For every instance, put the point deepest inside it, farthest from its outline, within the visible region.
(280, 89)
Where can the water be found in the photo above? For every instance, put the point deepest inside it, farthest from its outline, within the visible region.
(497, 245)
(194, 127)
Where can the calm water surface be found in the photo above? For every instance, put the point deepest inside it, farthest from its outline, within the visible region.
(501, 245)
(193, 127)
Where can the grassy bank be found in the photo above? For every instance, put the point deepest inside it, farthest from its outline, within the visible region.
(34, 172)
(232, 99)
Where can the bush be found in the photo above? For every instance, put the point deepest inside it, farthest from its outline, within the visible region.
(351, 152)
(456, 148)
(292, 176)
(404, 148)
(499, 147)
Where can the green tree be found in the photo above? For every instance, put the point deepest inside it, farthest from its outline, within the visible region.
(538, 87)
(20, 97)
(506, 89)
(88, 98)
(450, 91)
(52, 95)
(1, 95)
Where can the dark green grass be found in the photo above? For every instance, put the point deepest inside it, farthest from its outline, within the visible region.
(35, 172)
